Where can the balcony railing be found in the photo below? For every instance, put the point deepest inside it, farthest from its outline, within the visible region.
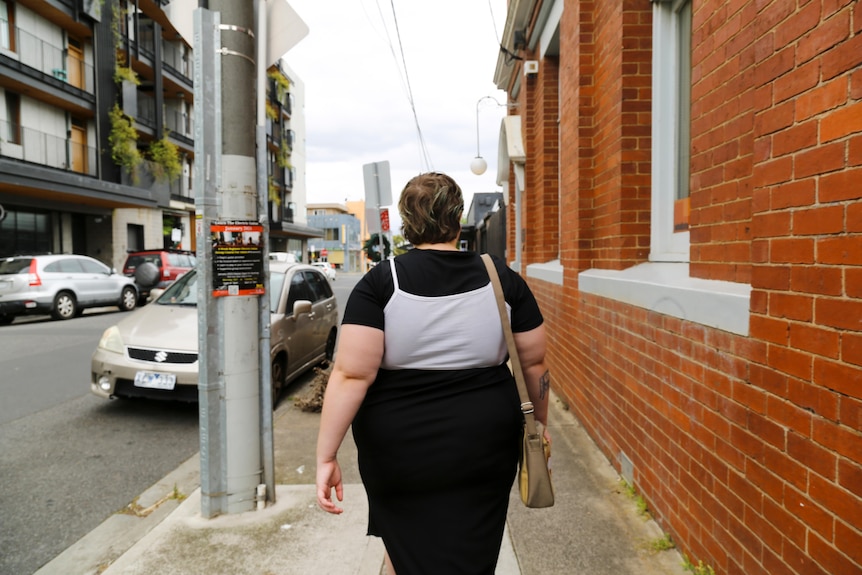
(53, 60)
(180, 123)
(287, 212)
(287, 138)
(47, 150)
(146, 108)
(146, 40)
(177, 58)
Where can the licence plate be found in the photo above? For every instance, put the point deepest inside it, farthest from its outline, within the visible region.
(155, 380)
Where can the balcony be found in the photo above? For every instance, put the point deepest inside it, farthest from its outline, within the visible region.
(287, 138)
(177, 59)
(52, 60)
(177, 62)
(29, 145)
(144, 178)
(287, 212)
(146, 109)
(181, 125)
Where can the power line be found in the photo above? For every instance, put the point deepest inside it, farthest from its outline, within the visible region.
(405, 79)
(425, 155)
(494, 22)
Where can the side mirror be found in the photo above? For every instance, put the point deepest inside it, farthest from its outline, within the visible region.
(300, 307)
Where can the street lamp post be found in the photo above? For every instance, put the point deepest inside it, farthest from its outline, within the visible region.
(479, 165)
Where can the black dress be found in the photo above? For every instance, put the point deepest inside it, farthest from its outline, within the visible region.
(437, 434)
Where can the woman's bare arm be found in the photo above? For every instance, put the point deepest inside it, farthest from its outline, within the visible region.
(360, 351)
(531, 352)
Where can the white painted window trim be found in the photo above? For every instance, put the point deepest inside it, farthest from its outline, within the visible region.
(550, 27)
(667, 288)
(551, 272)
(665, 245)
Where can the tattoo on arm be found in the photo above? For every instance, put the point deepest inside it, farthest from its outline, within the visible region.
(544, 384)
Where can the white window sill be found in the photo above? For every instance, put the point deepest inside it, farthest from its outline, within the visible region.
(551, 272)
(667, 288)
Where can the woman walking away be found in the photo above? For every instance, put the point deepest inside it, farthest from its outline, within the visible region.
(421, 375)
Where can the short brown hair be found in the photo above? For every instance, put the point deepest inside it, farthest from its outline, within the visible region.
(431, 205)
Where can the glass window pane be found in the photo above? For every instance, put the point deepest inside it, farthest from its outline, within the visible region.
(5, 25)
(684, 100)
(276, 284)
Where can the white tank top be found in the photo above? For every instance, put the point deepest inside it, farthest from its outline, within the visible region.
(458, 331)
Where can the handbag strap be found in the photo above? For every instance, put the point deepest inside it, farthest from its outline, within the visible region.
(526, 404)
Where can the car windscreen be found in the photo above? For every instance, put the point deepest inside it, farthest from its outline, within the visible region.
(181, 260)
(15, 266)
(184, 291)
(134, 261)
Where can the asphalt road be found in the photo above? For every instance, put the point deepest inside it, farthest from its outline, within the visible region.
(68, 459)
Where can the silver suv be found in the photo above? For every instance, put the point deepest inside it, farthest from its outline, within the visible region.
(62, 285)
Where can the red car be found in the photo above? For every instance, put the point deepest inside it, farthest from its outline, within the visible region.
(157, 268)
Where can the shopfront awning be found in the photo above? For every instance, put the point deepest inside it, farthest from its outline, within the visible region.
(288, 230)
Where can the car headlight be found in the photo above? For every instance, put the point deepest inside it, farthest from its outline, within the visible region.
(111, 340)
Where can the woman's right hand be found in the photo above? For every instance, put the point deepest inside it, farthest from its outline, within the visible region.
(329, 477)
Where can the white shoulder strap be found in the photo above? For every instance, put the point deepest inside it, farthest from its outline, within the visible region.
(394, 275)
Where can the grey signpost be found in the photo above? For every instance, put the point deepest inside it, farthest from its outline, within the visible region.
(378, 193)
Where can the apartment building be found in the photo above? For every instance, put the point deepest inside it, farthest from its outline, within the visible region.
(342, 239)
(682, 182)
(97, 132)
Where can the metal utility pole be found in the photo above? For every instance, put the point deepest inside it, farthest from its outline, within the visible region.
(235, 41)
(226, 192)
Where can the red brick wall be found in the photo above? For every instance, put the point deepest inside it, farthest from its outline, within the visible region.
(722, 138)
(806, 257)
(747, 449)
(619, 213)
(541, 135)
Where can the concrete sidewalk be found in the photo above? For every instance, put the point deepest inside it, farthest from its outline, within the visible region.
(594, 528)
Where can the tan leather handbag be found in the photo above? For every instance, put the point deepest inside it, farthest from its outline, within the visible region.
(534, 476)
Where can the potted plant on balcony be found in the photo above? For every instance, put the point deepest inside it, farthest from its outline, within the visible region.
(274, 192)
(282, 84)
(123, 140)
(166, 162)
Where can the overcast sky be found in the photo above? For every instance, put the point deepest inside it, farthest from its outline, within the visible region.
(357, 106)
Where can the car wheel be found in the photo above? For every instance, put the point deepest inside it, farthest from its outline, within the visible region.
(6, 319)
(277, 372)
(128, 299)
(65, 306)
(330, 345)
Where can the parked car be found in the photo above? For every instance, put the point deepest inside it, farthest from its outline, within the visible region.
(156, 269)
(282, 257)
(154, 352)
(327, 268)
(62, 285)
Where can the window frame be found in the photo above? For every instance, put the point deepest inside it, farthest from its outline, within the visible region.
(13, 133)
(7, 31)
(664, 284)
(669, 113)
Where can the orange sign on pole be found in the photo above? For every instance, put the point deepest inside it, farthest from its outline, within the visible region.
(384, 219)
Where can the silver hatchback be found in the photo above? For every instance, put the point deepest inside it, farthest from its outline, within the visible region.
(62, 285)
